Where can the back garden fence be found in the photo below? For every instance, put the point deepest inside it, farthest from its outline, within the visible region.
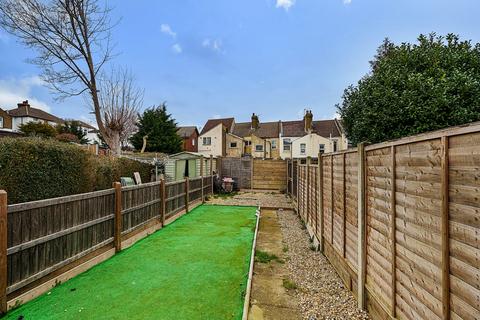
(400, 222)
(41, 240)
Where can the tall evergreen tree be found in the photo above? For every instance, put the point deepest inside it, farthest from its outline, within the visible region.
(160, 129)
(414, 88)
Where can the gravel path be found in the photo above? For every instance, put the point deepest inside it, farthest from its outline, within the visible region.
(321, 292)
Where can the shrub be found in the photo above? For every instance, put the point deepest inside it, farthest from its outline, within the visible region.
(38, 129)
(33, 169)
(67, 137)
(110, 169)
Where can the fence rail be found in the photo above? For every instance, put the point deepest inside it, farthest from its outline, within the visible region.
(400, 222)
(42, 238)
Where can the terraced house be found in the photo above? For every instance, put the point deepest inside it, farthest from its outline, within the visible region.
(271, 140)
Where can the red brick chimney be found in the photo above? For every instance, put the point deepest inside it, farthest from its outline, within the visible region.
(25, 105)
(255, 122)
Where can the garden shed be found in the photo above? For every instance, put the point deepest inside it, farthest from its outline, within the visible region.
(187, 164)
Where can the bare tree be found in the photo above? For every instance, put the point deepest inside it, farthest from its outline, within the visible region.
(120, 101)
(72, 40)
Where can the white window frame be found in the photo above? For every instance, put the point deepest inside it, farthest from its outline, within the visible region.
(248, 143)
(274, 144)
(193, 142)
(1, 122)
(321, 148)
(287, 144)
(207, 141)
(303, 148)
(259, 148)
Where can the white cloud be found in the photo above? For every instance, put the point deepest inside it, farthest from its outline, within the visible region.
(285, 4)
(213, 44)
(165, 28)
(13, 91)
(347, 1)
(177, 48)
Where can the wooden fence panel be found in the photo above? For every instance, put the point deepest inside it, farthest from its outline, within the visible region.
(43, 236)
(238, 168)
(313, 198)
(351, 204)
(140, 204)
(418, 232)
(195, 189)
(327, 198)
(464, 206)
(338, 205)
(175, 201)
(379, 255)
(269, 174)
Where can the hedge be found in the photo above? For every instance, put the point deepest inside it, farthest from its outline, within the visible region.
(34, 169)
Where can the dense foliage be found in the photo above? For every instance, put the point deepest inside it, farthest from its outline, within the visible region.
(38, 129)
(413, 88)
(160, 129)
(33, 169)
(73, 127)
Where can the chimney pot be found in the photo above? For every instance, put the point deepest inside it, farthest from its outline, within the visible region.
(255, 122)
(308, 120)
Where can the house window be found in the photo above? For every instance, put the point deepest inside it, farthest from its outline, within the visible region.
(274, 144)
(322, 148)
(303, 148)
(1, 122)
(259, 147)
(248, 143)
(207, 141)
(287, 144)
(233, 144)
(193, 142)
(334, 146)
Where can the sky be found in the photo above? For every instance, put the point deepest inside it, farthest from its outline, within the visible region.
(225, 58)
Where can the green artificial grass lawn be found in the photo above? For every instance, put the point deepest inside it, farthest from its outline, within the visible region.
(194, 268)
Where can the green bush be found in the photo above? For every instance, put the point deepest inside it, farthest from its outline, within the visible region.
(110, 169)
(38, 129)
(34, 169)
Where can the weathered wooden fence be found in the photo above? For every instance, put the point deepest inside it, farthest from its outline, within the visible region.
(43, 239)
(400, 222)
(261, 174)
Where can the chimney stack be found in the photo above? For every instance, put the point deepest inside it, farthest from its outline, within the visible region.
(255, 122)
(24, 104)
(308, 120)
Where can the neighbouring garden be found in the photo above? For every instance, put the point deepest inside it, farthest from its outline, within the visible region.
(194, 268)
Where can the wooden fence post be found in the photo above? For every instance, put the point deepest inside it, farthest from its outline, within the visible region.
(251, 173)
(344, 202)
(332, 202)
(445, 231)
(293, 163)
(117, 234)
(362, 241)
(211, 172)
(320, 200)
(298, 185)
(164, 200)
(3, 251)
(187, 196)
(201, 178)
(393, 229)
(307, 202)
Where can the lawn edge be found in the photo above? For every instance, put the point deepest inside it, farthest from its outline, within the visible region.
(246, 304)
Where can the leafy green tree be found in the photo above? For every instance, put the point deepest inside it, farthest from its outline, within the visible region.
(414, 88)
(38, 129)
(73, 127)
(160, 130)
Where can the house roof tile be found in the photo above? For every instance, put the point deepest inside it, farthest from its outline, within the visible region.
(212, 123)
(186, 132)
(323, 128)
(27, 111)
(265, 129)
